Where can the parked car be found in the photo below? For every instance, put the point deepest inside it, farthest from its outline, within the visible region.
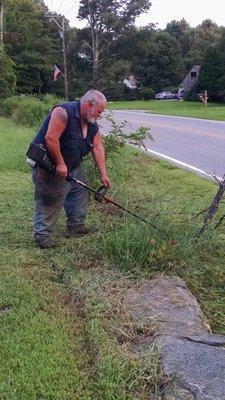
(166, 96)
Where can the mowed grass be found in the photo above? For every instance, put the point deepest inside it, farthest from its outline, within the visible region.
(64, 333)
(213, 111)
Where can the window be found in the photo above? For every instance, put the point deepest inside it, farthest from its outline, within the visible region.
(193, 74)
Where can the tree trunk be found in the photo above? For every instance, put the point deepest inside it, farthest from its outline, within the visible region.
(95, 47)
(1, 24)
(95, 64)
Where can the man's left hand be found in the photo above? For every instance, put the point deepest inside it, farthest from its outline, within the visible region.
(105, 180)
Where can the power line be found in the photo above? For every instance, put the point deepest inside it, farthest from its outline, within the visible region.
(70, 8)
(59, 7)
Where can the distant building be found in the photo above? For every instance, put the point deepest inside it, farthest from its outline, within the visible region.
(191, 78)
(130, 82)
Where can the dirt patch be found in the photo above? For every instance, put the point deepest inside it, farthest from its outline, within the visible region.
(111, 209)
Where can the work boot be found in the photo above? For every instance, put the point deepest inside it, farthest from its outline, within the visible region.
(79, 230)
(44, 242)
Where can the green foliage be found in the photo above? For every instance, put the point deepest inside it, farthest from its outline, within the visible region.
(182, 32)
(207, 34)
(32, 42)
(163, 65)
(106, 50)
(114, 142)
(113, 15)
(7, 76)
(28, 110)
(146, 93)
(130, 94)
(112, 90)
(107, 19)
(119, 136)
(212, 75)
(112, 83)
(14, 143)
(194, 41)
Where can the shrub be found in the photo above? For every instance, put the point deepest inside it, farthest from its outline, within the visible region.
(8, 105)
(28, 110)
(146, 93)
(113, 90)
(130, 94)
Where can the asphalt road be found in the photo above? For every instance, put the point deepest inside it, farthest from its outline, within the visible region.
(195, 144)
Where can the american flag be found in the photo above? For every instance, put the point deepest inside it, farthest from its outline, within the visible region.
(56, 73)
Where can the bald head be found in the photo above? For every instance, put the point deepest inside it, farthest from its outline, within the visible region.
(92, 104)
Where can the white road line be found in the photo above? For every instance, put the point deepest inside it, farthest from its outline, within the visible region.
(183, 164)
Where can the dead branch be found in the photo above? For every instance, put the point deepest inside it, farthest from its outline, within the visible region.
(213, 208)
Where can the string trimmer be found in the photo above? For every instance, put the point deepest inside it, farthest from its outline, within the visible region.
(38, 157)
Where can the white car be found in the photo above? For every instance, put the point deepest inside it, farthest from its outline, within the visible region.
(166, 96)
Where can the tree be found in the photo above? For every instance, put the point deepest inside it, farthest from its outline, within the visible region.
(194, 41)
(181, 31)
(79, 62)
(212, 73)
(32, 42)
(206, 34)
(108, 18)
(163, 66)
(7, 76)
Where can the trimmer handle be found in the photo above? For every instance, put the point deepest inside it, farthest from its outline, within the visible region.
(100, 193)
(69, 177)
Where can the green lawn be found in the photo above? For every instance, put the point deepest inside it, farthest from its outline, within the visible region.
(181, 108)
(64, 334)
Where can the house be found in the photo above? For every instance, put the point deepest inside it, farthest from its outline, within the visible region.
(191, 78)
(130, 82)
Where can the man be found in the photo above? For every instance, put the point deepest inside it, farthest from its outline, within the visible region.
(69, 132)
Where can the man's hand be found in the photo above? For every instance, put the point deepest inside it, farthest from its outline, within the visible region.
(61, 170)
(98, 153)
(105, 180)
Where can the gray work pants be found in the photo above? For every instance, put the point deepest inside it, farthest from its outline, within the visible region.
(52, 193)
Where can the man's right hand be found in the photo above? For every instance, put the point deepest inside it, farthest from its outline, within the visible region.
(61, 170)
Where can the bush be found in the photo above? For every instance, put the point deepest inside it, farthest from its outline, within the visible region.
(130, 94)
(146, 93)
(113, 91)
(28, 110)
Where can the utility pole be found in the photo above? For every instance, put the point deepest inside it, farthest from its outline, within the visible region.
(62, 35)
(62, 31)
(1, 25)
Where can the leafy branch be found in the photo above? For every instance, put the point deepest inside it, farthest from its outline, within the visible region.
(118, 137)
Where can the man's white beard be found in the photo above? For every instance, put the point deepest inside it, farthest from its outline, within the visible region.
(91, 120)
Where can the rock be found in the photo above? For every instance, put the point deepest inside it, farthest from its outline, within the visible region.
(167, 304)
(192, 357)
(196, 367)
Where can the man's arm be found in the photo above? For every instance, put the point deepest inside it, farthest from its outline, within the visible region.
(56, 127)
(98, 153)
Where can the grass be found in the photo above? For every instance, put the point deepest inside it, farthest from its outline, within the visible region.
(214, 111)
(64, 331)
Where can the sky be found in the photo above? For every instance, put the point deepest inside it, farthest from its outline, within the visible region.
(161, 12)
